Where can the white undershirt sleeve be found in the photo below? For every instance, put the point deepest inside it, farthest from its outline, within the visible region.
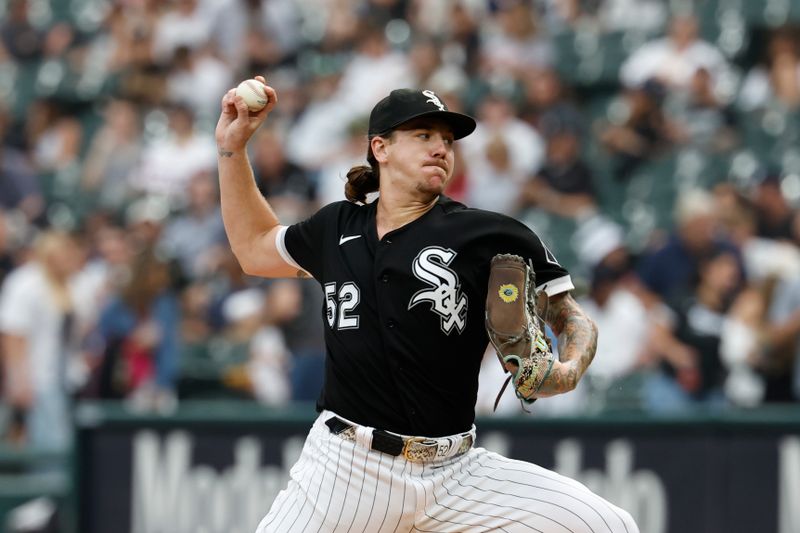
(280, 244)
(557, 286)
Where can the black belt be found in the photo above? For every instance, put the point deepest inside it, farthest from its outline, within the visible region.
(382, 441)
(412, 448)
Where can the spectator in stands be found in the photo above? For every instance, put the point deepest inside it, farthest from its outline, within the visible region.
(698, 325)
(760, 334)
(500, 156)
(425, 57)
(195, 237)
(273, 30)
(59, 42)
(776, 81)
(264, 373)
(288, 186)
(425, 60)
(763, 328)
(108, 268)
(227, 22)
(19, 37)
(291, 308)
(741, 347)
(776, 217)
(387, 9)
(185, 23)
(228, 280)
(141, 79)
(615, 303)
(283, 343)
(761, 344)
(7, 260)
(141, 334)
(39, 324)
(169, 163)
(304, 334)
(568, 13)
(632, 15)
(702, 119)
(53, 136)
(564, 184)
(113, 153)
(642, 133)
(543, 91)
(294, 97)
(764, 257)
(319, 134)
(374, 69)
(19, 186)
(463, 34)
(608, 15)
(670, 268)
(144, 222)
(674, 59)
(514, 42)
(196, 327)
(111, 51)
(197, 78)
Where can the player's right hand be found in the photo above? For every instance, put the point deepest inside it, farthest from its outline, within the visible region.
(237, 123)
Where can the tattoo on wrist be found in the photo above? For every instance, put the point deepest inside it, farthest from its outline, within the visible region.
(223, 153)
(577, 336)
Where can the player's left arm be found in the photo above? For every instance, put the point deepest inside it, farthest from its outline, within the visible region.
(577, 344)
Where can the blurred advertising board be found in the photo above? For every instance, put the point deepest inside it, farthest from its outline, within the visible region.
(216, 468)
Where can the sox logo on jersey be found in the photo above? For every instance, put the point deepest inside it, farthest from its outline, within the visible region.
(445, 296)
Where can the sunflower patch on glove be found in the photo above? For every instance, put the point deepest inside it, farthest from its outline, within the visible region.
(515, 329)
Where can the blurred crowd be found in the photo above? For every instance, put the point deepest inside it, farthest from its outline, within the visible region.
(656, 155)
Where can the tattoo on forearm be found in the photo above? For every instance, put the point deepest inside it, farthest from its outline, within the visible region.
(577, 344)
(223, 153)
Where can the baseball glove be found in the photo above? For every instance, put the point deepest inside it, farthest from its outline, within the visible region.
(514, 327)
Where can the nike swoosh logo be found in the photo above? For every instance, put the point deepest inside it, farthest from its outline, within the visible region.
(344, 239)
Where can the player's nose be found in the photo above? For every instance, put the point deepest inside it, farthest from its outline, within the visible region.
(439, 146)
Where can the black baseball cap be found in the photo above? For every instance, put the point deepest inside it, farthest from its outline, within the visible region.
(403, 105)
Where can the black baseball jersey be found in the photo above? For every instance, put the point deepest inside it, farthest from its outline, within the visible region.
(404, 315)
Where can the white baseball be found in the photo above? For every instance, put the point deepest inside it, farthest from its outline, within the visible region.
(253, 93)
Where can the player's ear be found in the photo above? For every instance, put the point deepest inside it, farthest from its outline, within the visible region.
(379, 150)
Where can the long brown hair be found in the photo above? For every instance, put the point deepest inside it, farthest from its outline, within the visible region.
(364, 179)
(149, 278)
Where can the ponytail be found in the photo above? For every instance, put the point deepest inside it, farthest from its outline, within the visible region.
(363, 179)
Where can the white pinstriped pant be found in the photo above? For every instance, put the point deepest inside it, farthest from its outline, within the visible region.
(338, 486)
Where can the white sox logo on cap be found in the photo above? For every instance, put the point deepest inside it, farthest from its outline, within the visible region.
(432, 98)
(403, 105)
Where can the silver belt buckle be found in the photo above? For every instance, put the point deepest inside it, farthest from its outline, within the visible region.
(418, 449)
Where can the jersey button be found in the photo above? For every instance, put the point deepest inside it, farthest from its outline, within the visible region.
(390, 324)
(385, 278)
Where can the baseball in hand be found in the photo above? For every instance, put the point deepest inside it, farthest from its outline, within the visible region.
(252, 92)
